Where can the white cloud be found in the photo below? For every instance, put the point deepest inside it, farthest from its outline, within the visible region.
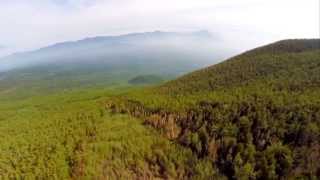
(245, 23)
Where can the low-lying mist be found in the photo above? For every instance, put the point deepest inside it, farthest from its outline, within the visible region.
(192, 50)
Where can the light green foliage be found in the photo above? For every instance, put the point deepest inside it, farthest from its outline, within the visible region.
(70, 135)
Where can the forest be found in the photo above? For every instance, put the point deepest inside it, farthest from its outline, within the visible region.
(254, 116)
(159, 90)
(70, 136)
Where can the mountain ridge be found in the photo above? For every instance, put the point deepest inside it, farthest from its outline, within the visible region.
(240, 66)
(104, 48)
(62, 44)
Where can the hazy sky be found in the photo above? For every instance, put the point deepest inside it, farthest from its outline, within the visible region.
(30, 24)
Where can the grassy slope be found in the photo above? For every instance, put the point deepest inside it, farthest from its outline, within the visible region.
(244, 112)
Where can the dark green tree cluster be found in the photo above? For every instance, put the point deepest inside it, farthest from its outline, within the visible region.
(253, 138)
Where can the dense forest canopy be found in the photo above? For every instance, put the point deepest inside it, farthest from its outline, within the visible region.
(285, 60)
(254, 116)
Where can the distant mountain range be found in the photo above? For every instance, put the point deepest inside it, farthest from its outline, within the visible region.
(192, 50)
(111, 59)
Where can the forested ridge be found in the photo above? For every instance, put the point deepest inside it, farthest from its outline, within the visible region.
(286, 61)
(254, 116)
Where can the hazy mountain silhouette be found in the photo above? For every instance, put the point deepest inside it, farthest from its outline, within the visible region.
(189, 50)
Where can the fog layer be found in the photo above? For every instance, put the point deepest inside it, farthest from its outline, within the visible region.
(189, 50)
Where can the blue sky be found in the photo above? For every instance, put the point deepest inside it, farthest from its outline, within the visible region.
(27, 25)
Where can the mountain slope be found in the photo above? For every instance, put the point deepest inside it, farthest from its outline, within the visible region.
(282, 61)
(255, 116)
(70, 136)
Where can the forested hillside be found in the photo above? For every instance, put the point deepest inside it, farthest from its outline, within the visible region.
(53, 124)
(70, 136)
(285, 63)
(255, 116)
